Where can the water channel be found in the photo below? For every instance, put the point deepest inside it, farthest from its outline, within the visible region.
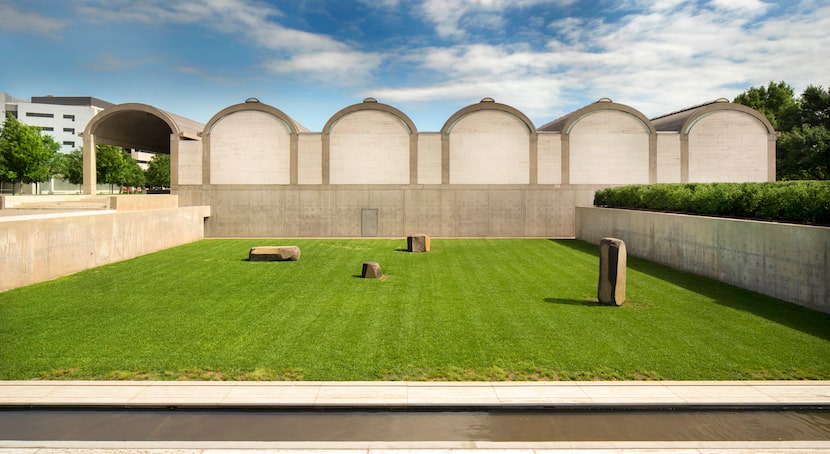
(434, 425)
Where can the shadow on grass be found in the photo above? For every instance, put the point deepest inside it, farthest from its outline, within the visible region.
(570, 302)
(788, 314)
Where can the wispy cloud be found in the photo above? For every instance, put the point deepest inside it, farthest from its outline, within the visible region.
(292, 51)
(111, 62)
(19, 21)
(453, 18)
(671, 56)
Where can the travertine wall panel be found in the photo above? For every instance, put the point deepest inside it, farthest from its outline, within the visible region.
(550, 158)
(309, 159)
(727, 146)
(668, 158)
(609, 147)
(489, 147)
(250, 147)
(190, 162)
(429, 158)
(369, 147)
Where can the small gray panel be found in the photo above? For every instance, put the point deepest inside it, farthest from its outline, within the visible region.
(369, 222)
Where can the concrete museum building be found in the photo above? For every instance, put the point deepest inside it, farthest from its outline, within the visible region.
(489, 172)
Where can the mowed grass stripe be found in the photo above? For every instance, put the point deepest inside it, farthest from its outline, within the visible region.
(471, 309)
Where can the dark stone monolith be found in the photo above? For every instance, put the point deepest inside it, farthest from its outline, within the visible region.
(612, 264)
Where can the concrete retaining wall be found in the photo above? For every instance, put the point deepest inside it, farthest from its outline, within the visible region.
(786, 261)
(42, 247)
(435, 210)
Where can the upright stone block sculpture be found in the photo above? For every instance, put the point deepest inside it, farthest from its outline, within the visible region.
(371, 270)
(612, 264)
(417, 243)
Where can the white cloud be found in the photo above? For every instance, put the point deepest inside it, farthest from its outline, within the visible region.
(749, 6)
(295, 51)
(451, 17)
(15, 20)
(672, 56)
(334, 67)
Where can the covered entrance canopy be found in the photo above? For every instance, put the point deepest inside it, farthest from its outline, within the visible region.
(138, 126)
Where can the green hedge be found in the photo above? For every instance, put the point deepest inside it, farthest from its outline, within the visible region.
(803, 202)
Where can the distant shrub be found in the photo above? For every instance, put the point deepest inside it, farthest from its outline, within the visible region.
(804, 202)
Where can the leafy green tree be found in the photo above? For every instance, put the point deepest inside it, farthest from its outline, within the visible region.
(803, 146)
(71, 166)
(25, 155)
(804, 153)
(776, 101)
(158, 172)
(110, 165)
(133, 173)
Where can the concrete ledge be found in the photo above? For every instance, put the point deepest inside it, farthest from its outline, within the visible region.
(38, 248)
(786, 261)
(401, 394)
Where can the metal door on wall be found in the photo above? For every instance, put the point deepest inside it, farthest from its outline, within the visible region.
(369, 222)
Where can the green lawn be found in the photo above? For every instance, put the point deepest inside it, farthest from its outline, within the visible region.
(469, 310)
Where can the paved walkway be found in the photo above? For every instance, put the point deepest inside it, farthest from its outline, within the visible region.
(402, 394)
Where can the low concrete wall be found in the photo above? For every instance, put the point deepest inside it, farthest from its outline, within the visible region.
(435, 210)
(42, 247)
(787, 261)
(143, 202)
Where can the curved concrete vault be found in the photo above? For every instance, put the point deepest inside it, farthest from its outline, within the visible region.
(139, 126)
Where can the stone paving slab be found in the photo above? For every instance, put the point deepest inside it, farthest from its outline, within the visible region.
(310, 394)
(413, 393)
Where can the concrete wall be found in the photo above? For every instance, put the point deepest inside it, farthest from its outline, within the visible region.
(43, 247)
(786, 261)
(436, 210)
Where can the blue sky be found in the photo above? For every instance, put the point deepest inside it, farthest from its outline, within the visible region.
(428, 58)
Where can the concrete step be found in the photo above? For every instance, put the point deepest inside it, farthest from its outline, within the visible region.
(86, 203)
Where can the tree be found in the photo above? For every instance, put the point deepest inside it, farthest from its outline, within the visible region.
(158, 172)
(71, 166)
(133, 173)
(803, 146)
(777, 102)
(109, 165)
(25, 155)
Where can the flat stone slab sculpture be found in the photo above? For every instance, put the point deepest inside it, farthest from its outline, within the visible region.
(371, 270)
(417, 243)
(274, 254)
(612, 265)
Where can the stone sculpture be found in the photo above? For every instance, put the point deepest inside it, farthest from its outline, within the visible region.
(612, 265)
(274, 254)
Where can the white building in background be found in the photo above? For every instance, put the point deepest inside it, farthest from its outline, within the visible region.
(64, 118)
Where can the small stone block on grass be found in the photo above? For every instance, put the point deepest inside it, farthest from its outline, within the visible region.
(417, 243)
(371, 270)
(274, 254)
(612, 265)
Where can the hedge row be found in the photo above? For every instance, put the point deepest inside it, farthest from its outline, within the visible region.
(803, 202)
